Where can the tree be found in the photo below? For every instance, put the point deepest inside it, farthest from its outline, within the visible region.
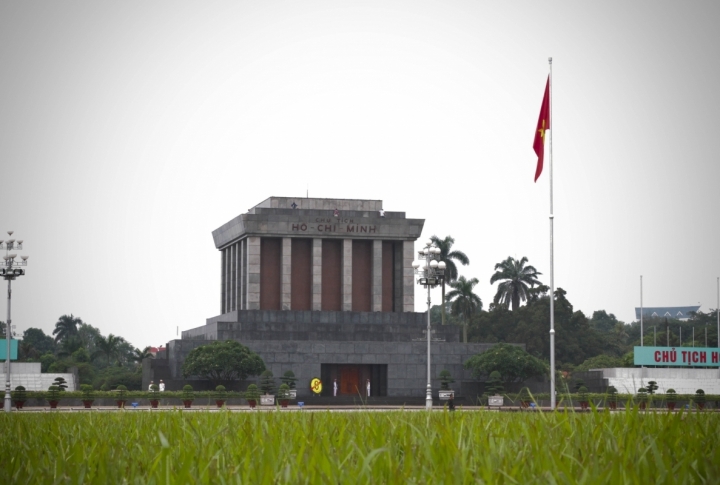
(511, 361)
(267, 382)
(140, 355)
(517, 277)
(65, 327)
(494, 386)
(602, 361)
(68, 346)
(603, 322)
(38, 340)
(465, 303)
(448, 255)
(107, 346)
(223, 361)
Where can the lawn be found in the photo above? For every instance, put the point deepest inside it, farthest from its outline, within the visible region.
(359, 447)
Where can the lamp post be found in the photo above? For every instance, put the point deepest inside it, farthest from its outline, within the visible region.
(431, 272)
(9, 271)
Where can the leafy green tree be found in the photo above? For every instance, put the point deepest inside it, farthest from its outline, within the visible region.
(223, 361)
(602, 361)
(27, 352)
(81, 355)
(511, 361)
(68, 346)
(65, 327)
(449, 256)
(38, 340)
(518, 279)
(465, 301)
(603, 322)
(108, 347)
(88, 334)
(46, 360)
(575, 340)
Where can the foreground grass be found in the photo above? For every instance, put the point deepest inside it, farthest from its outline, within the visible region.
(377, 447)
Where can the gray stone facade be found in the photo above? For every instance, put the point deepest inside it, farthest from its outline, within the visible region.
(303, 341)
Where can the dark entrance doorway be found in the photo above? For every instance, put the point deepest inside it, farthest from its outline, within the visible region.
(352, 378)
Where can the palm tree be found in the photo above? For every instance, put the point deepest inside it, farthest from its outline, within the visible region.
(466, 302)
(65, 327)
(140, 355)
(517, 277)
(447, 255)
(107, 346)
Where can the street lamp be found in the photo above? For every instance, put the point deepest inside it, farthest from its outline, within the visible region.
(431, 272)
(9, 271)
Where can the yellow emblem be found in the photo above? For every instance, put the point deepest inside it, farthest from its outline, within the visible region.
(316, 385)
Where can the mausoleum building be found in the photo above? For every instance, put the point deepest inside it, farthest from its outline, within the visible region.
(325, 288)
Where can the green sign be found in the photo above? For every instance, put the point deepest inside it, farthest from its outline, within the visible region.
(678, 356)
(13, 349)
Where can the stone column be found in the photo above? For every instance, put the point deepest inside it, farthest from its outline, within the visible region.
(408, 276)
(317, 274)
(222, 281)
(347, 275)
(233, 281)
(253, 273)
(285, 296)
(240, 279)
(243, 274)
(377, 276)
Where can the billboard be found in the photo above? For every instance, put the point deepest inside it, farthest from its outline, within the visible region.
(678, 356)
(13, 349)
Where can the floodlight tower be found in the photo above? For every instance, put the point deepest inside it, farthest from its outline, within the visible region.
(430, 274)
(9, 270)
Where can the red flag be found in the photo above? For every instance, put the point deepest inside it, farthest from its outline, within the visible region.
(543, 124)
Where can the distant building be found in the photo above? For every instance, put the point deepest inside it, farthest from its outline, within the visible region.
(676, 312)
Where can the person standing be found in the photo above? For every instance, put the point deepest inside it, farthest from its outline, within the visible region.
(334, 387)
(162, 386)
(367, 386)
(150, 387)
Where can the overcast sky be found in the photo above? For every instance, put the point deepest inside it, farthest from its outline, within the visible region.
(130, 130)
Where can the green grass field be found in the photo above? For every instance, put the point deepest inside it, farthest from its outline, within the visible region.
(359, 447)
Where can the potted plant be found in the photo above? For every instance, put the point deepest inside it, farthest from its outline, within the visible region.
(19, 397)
(289, 379)
(670, 399)
(122, 391)
(651, 387)
(699, 399)
(61, 383)
(220, 396)
(87, 395)
(525, 397)
(154, 398)
(642, 397)
(267, 385)
(53, 397)
(612, 397)
(252, 395)
(583, 397)
(283, 395)
(187, 395)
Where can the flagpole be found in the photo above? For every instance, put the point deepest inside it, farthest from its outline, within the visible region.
(552, 262)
